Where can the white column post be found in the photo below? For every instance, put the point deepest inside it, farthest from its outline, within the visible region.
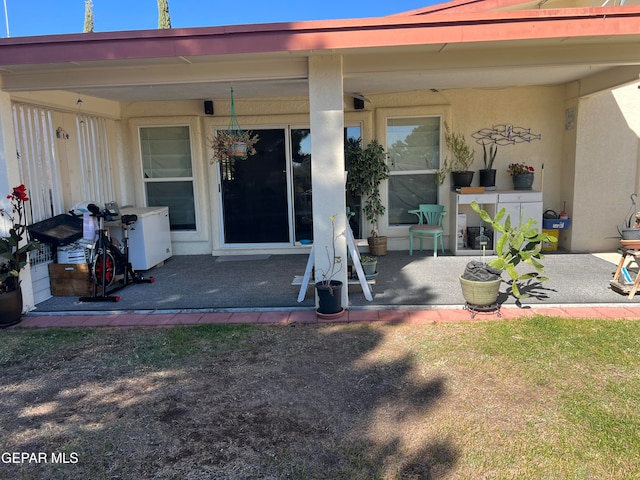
(327, 165)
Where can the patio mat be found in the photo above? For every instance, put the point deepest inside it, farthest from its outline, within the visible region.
(241, 258)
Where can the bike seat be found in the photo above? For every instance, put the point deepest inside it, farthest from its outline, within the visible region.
(129, 219)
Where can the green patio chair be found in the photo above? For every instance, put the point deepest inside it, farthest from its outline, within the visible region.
(430, 224)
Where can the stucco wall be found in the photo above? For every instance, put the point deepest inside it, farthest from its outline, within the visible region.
(606, 173)
(542, 109)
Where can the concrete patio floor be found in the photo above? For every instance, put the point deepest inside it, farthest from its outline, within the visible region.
(421, 288)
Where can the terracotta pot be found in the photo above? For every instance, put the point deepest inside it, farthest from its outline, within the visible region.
(10, 307)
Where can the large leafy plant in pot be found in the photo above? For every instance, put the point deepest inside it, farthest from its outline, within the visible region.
(517, 245)
(367, 168)
(15, 246)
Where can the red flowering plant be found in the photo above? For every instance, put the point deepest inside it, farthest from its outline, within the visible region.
(13, 247)
(519, 168)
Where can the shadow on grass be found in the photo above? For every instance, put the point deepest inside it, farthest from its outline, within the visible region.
(232, 402)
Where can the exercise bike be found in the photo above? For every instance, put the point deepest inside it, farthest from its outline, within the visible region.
(110, 263)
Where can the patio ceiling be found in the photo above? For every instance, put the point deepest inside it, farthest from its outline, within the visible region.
(267, 75)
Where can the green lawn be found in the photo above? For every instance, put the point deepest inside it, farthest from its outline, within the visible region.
(538, 398)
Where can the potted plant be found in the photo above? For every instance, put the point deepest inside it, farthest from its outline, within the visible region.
(13, 255)
(367, 169)
(517, 244)
(458, 165)
(228, 144)
(522, 175)
(488, 173)
(369, 264)
(330, 290)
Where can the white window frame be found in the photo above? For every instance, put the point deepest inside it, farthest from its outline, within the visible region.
(382, 114)
(198, 159)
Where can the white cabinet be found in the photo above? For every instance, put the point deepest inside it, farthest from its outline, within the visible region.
(519, 204)
(461, 203)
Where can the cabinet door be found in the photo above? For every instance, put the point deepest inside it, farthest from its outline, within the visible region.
(522, 211)
(512, 210)
(532, 210)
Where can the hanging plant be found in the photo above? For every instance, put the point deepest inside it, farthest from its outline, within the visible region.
(229, 144)
(233, 143)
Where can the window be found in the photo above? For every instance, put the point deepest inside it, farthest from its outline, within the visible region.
(301, 159)
(168, 173)
(39, 169)
(354, 204)
(413, 145)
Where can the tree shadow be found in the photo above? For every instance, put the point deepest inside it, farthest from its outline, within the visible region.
(532, 288)
(308, 401)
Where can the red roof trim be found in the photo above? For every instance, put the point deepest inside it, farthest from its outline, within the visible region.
(324, 35)
(464, 6)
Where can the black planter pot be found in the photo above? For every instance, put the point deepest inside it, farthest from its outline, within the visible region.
(461, 179)
(488, 178)
(329, 297)
(10, 308)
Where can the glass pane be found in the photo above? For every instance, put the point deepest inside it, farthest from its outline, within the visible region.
(254, 193)
(413, 143)
(166, 152)
(301, 156)
(406, 192)
(354, 204)
(178, 196)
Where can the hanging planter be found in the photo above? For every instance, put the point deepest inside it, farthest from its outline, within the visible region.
(238, 149)
(233, 143)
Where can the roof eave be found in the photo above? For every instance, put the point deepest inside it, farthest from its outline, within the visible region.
(322, 35)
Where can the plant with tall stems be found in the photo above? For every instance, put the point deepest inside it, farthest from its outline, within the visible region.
(328, 275)
(13, 249)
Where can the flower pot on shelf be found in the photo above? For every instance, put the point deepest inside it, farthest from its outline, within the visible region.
(630, 233)
(523, 181)
(461, 179)
(488, 178)
(10, 307)
(368, 265)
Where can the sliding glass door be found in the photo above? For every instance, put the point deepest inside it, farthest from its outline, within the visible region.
(266, 199)
(255, 195)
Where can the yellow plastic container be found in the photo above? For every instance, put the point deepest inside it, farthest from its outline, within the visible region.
(550, 246)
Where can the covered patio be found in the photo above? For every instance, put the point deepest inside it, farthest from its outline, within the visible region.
(96, 103)
(263, 282)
